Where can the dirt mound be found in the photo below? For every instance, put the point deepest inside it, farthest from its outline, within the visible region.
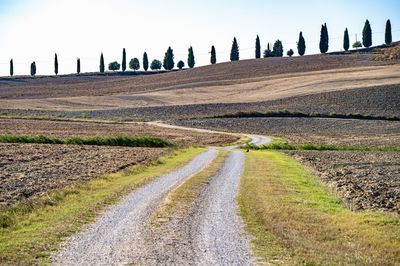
(392, 53)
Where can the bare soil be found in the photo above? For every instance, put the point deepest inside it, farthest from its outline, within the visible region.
(31, 170)
(91, 129)
(310, 130)
(231, 91)
(377, 101)
(219, 74)
(364, 180)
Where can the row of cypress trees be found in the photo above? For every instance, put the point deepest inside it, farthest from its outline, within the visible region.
(168, 62)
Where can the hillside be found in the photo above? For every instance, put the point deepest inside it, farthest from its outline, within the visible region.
(212, 75)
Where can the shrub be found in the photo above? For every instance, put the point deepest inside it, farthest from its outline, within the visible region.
(114, 66)
(155, 65)
(357, 44)
(134, 64)
(181, 64)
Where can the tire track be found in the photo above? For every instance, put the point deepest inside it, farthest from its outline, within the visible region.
(113, 237)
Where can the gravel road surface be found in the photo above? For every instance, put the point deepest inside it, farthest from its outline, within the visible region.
(111, 239)
(259, 140)
(210, 233)
(217, 231)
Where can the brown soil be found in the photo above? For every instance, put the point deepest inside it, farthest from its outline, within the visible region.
(392, 53)
(91, 129)
(310, 130)
(365, 180)
(250, 90)
(31, 170)
(213, 75)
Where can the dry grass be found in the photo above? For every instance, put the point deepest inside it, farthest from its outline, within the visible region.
(181, 198)
(296, 220)
(28, 233)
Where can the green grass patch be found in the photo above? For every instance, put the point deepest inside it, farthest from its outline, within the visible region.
(290, 114)
(126, 141)
(283, 145)
(296, 220)
(29, 232)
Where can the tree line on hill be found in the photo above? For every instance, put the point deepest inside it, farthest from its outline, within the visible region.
(277, 51)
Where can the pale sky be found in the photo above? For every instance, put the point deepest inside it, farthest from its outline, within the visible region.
(33, 30)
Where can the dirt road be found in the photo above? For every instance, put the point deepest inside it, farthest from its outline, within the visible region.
(113, 237)
(211, 234)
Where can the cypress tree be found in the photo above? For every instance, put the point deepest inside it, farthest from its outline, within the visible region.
(367, 34)
(78, 66)
(346, 40)
(33, 69)
(268, 52)
(258, 48)
(169, 59)
(123, 60)
(388, 33)
(235, 50)
(102, 67)
(56, 64)
(191, 61)
(277, 50)
(301, 45)
(145, 62)
(11, 68)
(213, 55)
(324, 40)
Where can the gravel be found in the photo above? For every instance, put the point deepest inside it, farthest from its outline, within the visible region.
(217, 230)
(209, 233)
(113, 238)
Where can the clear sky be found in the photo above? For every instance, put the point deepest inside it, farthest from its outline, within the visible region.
(36, 29)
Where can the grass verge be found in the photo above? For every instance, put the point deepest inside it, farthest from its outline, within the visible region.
(296, 220)
(283, 145)
(180, 199)
(126, 141)
(289, 114)
(29, 232)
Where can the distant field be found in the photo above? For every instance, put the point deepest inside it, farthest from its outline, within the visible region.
(212, 75)
(310, 130)
(62, 129)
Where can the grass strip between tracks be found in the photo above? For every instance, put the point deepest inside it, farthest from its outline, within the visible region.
(180, 199)
(125, 141)
(296, 220)
(29, 232)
